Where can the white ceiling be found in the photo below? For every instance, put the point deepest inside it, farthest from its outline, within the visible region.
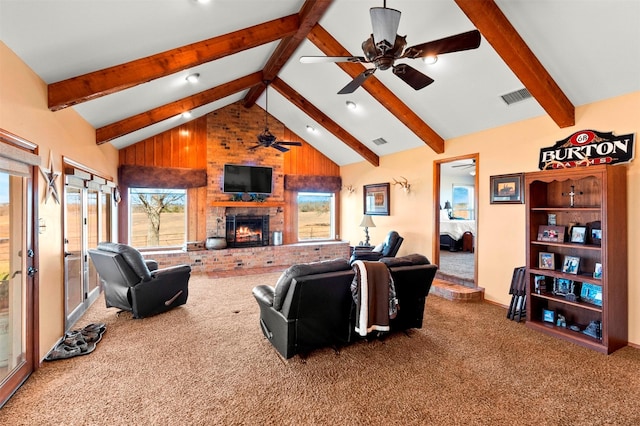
(591, 48)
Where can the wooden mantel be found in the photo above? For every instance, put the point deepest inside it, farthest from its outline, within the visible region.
(247, 204)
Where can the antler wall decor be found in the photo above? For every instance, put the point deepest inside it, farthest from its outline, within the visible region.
(350, 189)
(404, 184)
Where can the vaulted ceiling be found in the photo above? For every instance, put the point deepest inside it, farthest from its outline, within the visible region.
(122, 64)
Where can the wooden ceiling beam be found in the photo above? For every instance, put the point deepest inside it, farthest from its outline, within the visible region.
(330, 47)
(93, 85)
(295, 98)
(498, 31)
(142, 120)
(310, 13)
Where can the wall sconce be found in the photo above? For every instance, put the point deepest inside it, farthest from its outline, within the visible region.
(404, 184)
(350, 189)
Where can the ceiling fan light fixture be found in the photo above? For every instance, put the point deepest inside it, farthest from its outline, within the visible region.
(311, 129)
(193, 78)
(430, 59)
(351, 105)
(384, 22)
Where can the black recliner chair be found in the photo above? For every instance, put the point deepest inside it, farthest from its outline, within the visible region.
(132, 284)
(389, 248)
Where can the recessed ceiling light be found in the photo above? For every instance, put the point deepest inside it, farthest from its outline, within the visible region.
(430, 60)
(202, 1)
(193, 78)
(186, 114)
(351, 105)
(311, 129)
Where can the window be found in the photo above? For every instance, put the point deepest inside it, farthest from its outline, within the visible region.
(316, 216)
(157, 217)
(463, 202)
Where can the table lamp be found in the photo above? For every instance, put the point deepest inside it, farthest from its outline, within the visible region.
(367, 223)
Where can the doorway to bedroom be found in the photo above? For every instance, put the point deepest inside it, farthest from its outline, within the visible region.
(456, 212)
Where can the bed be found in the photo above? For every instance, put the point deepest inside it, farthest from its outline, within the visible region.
(452, 230)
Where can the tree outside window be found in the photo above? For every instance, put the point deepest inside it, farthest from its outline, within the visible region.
(157, 217)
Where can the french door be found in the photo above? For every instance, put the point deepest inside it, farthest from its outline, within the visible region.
(87, 222)
(17, 265)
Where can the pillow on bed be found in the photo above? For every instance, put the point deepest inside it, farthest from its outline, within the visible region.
(444, 215)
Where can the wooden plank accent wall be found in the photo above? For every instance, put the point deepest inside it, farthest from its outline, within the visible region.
(220, 137)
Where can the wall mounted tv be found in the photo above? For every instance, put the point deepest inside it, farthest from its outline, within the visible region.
(251, 179)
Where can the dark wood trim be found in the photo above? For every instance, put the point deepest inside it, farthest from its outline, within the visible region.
(307, 183)
(161, 177)
(99, 83)
(321, 118)
(503, 37)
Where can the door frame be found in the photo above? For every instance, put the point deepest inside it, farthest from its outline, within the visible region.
(437, 203)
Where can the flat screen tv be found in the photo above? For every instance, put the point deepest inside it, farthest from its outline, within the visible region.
(251, 179)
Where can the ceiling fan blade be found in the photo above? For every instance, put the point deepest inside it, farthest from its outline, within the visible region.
(325, 59)
(357, 82)
(290, 143)
(279, 148)
(454, 43)
(412, 76)
(254, 147)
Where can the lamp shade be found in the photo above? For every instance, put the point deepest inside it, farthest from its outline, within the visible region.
(367, 222)
(385, 23)
(447, 205)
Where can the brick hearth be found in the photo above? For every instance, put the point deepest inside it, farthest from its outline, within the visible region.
(206, 261)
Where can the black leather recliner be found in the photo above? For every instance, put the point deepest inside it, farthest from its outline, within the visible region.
(310, 307)
(132, 284)
(389, 248)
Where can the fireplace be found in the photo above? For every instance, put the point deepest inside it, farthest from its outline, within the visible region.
(247, 231)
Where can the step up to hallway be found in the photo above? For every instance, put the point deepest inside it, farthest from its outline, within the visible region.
(456, 292)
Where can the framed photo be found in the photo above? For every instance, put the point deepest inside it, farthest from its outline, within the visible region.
(591, 293)
(579, 234)
(595, 232)
(376, 199)
(551, 219)
(547, 260)
(562, 286)
(551, 233)
(540, 284)
(570, 265)
(548, 316)
(507, 189)
(597, 271)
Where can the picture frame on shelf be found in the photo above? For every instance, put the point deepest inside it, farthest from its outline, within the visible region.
(507, 189)
(546, 260)
(377, 199)
(595, 233)
(579, 234)
(551, 233)
(597, 271)
(591, 293)
(571, 265)
(551, 219)
(540, 284)
(563, 286)
(548, 316)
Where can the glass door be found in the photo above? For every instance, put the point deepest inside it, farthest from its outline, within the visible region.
(15, 316)
(73, 264)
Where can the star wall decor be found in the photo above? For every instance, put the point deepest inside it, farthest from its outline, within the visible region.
(50, 175)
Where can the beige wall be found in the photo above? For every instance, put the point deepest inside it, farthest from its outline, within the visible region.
(501, 228)
(24, 112)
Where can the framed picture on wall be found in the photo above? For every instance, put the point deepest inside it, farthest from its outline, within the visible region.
(507, 189)
(376, 199)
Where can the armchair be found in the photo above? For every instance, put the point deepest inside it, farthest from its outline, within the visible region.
(388, 248)
(132, 284)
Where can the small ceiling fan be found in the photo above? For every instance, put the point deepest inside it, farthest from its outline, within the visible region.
(266, 138)
(385, 46)
(465, 165)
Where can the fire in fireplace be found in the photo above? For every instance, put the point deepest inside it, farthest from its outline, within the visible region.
(247, 231)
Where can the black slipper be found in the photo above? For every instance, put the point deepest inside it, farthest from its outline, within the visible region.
(63, 351)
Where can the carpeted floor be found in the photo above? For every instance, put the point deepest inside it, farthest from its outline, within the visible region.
(207, 363)
(458, 264)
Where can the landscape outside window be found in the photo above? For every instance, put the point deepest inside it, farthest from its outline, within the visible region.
(157, 217)
(316, 213)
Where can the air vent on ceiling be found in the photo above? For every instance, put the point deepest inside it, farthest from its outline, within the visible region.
(516, 96)
(379, 141)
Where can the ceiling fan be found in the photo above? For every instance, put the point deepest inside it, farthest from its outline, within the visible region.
(385, 46)
(266, 138)
(465, 165)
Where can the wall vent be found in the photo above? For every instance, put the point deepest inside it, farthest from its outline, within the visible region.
(516, 96)
(379, 141)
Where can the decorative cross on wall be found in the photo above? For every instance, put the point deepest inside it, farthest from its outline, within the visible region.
(572, 195)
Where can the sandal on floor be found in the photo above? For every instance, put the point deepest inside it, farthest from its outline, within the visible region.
(99, 327)
(63, 351)
(75, 339)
